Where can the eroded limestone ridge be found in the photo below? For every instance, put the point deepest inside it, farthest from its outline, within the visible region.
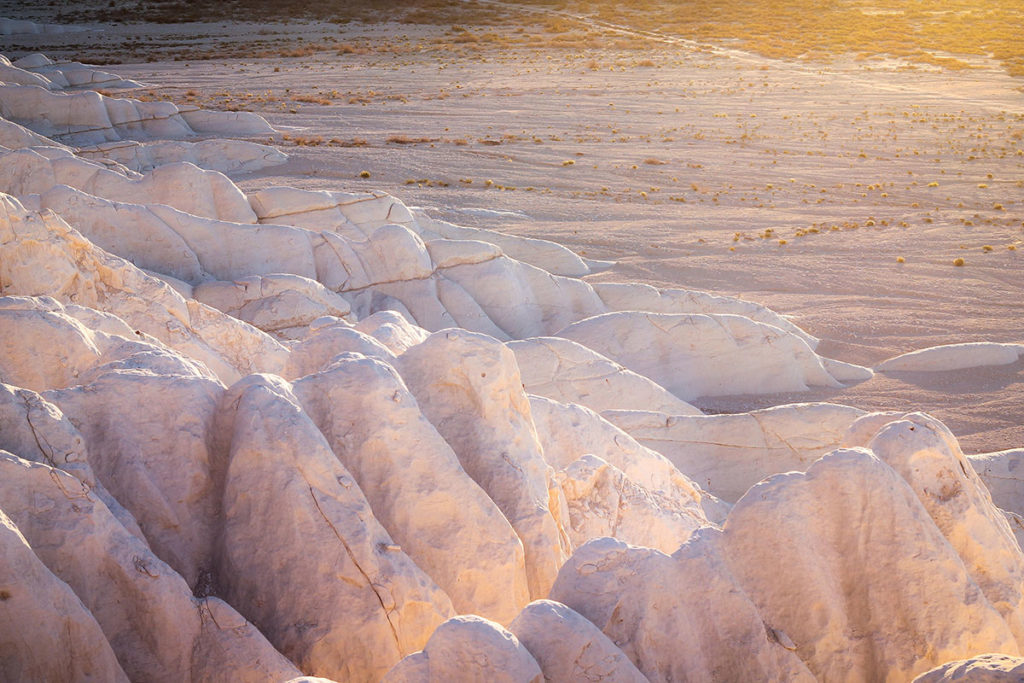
(255, 436)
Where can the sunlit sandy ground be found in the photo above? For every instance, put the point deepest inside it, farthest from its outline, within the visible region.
(840, 194)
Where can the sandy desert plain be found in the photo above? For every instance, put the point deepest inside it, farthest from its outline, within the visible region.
(875, 202)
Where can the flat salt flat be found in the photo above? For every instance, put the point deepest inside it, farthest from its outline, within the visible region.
(690, 168)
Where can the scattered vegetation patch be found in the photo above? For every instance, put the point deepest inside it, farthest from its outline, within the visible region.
(406, 140)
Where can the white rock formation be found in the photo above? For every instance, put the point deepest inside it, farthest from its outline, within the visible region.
(748, 357)
(858, 576)
(42, 255)
(327, 339)
(727, 454)
(633, 296)
(273, 303)
(615, 487)
(34, 429)
(184, 186)
(471, 649)
(1003, 475)
(927, 456)
(554, 258)
(185, 246)
(568, 431)
(712, 633)
(570, 648)
(14, 136)
(416, 486)
(544, 303)
(89, 118)
(48, 633)
(155, 626)
(468, 386)
(12, 75)
(364, 603)
(987, 668)
(569, 372)
(954, 357)
(407, 475)
(49, 346)
(156, 461)
(62, 75)
(226, 156)
(352, 215)
(392, 330)
(603, 501)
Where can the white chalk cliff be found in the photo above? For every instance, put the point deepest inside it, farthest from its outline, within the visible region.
(259, 436)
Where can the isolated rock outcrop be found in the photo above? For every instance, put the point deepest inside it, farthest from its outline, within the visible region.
(954, 357)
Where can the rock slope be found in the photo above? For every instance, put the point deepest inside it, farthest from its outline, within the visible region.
(254, 436)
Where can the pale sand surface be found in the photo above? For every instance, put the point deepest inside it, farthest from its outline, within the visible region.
(749, 143)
